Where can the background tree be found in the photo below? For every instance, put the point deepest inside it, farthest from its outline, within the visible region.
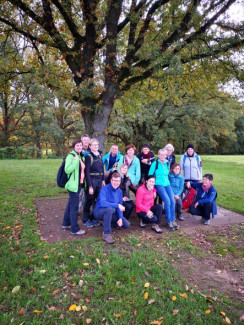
(111, 45)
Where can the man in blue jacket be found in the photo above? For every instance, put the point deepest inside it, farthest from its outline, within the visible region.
(109, 208)
(205, 200)
(110, 161)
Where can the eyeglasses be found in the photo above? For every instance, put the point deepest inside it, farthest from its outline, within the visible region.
(115, 180)
(177, 168)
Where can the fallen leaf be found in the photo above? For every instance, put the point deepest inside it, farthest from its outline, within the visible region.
(117, 315)
(208, 311)
(146, 285)
(72, 307)
(85, 264)
(16, 289)
(151, 301)
(21, 312)
(37, 311)
(52, 308)
(222, 313)
(88, 320)
(46, 256)
(156, 322)
(84, 308)
(43, 271)
(65, 274)
(8, 227)
(55, 292)
(98, 261)
(81, 283)
(175, 312)
(145, 295)
(78, 308)
(184, 295)
(87, 300)
(227, 320)
(174, 298)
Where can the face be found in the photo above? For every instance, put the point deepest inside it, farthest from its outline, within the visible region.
(114, 150)
(78, 147)
(150, 183)
(162, 155)
(85, 141)
(176, 170)
(124, 169)
(145, 151)
(94, 146)
(190, 151)
(130, 152)
(206, 182)
(169, 151)
(115, 182)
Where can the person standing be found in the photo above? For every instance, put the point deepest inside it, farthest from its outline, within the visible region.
(75, 169)
(110, 161)
(170, 157)
(146, 158)
(191, 165)
(85, 139)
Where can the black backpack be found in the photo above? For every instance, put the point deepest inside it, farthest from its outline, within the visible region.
(62, 177)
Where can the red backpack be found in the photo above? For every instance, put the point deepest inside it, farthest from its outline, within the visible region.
(188, 200)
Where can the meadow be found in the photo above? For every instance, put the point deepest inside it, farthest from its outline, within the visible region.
(89, 282)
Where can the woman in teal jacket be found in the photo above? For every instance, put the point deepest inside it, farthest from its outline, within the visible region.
(74, 168)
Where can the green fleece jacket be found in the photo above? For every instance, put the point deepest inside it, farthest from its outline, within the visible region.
(71, 168)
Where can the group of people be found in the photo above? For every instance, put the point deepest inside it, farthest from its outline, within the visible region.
(108, 180)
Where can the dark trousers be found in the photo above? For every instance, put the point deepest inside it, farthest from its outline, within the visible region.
(157, 214)
(178, 207)
(90, 199)
(71, 211)
(202, 210)
(109, 218)
(129, 206)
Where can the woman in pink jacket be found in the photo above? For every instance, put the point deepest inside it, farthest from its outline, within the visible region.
(147, 211)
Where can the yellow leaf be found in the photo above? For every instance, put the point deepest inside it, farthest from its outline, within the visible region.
(84, 308)
(174, 298)
(156, 322)
(227, 320)
(43, 271)
(208, 311)
(146, 285)
(118, 315)
(37, 311)
(85, 264)
(183, 295)
(98, 261)
(46, 256)
(72, 307)
(16, 289)
(145, 295)
(8, 227)
(78, 308)
(222, 313)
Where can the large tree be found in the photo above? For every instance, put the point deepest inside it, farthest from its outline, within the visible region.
(109, 45)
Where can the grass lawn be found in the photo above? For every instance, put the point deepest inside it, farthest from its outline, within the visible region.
(89, 282)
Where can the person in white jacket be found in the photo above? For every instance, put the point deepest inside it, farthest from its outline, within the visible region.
(191, 165)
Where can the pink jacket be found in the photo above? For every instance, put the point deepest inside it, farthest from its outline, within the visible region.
(144, 199)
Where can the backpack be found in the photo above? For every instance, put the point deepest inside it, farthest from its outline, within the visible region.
(188, 200)
(62, 177)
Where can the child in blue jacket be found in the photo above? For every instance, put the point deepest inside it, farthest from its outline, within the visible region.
(177, 184)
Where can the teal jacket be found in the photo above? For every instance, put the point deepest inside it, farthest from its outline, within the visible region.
(134, 172)
(177, 183)
(71, 168)
(161, 173)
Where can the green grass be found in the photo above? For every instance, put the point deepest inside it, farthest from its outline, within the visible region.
(112, 291)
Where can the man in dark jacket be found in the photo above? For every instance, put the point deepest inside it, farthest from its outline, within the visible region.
(205, 200)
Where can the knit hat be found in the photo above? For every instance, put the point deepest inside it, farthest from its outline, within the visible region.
(190, 146)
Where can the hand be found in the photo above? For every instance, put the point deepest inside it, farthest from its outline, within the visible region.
(91, 191)
(125, 199)
(103, 183)
(144, 161)
(188, 185)
(149, 214)
(121, 207)
(134, 185)
(107, 173)
(176, 197)
(120, 222)
(196, 204)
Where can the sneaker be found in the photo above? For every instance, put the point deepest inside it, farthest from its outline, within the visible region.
(88, 224)
(206, 222)
(176, 227)
(78, 233)
(108, 238)
(156, 228)
(142, 224)
(66, 227)
(181, 218)
(171, 226)
(95, 223)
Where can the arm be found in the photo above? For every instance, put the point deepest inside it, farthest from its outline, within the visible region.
(87, 170)
(152, 168)
(139, 199)
(138, 171)
(104, 203)
(208, 198)
(181, 187)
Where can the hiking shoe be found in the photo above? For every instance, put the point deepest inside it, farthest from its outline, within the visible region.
(89, 224)
(142, 224)
(206, 222)
(95, 223)
(66, 227)
(170, 226)
(181, 218)
(108, 238)
(156, 228)
(176, 227)
(78, 233)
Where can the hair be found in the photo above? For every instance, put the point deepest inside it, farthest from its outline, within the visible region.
(169, 146)
(149, 177)
(115, 175)
(145, 146)
(113, 145)
(173, 167)
(208, 176)
(75, 142)
(85, 136)
(161, 150)
(122, 166)
(93, 140)
(129, 146)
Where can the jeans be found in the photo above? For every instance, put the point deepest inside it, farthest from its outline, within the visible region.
(167, 195)
(157, 214)
(90, 199)
(178, 207)
(71, 211)
(109, 218)
(203, 210)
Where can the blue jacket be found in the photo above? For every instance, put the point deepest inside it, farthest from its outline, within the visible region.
(177, 183)
(134, 172)
(209, 196)
(110, 197)
(106, 160)
(161, 172)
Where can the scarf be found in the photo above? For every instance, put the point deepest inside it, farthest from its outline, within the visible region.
(206, 188)
(127, 161)
(146, 156)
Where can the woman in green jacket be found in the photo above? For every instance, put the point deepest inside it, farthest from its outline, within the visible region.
(75, 169)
